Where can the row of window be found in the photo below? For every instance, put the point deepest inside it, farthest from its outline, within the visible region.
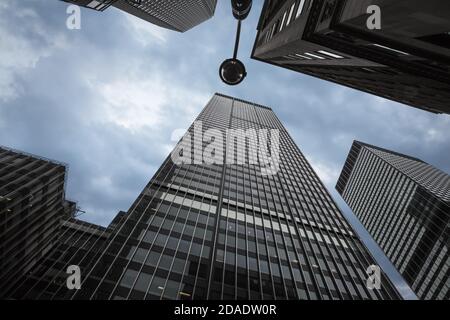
(285, 19)
(318, 55)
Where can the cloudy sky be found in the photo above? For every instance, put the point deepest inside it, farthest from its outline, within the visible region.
(105, 100)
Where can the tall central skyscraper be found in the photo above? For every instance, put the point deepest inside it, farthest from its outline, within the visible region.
(179, 15)
(249, 230)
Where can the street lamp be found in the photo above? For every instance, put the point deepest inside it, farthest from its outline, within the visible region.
(232, 71)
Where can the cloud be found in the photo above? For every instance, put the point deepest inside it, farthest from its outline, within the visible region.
(135, 104)
(22, 47)
(328, 174)
(145, 33)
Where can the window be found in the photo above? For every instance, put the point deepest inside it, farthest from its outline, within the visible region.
(390, 49)
(163, 208)
(199, 232)
(231, 258)
(275, 269)
(314, 56)
(161, 240)
(178, 227)
(184, 246)
(202, 219)
(157, 286)
(290, 14)
(128, 278)
(209, 235)
(189, 230)
(183, 213)
(251, 246)
(172, 243)
(167, 225)
(262, 249)
(142, 282)
(300, 8)
(193, 216)
(149, 236)
(272, 251)
(165, 262)
(264, 265)
(178, 265)
(242, 261)
(252, 264)
(205, 252)
(196, 249)
(282, 23)
(231, 241)
(332, 55)
(152, 259)
(171, 289)
(173, 211)
(140, 255)
(220, 255)
(157, 221)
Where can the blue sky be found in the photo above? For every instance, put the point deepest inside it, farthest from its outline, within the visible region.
(105, 99)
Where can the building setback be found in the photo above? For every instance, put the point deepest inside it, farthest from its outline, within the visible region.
(180, 15)
(404, 204)
(200, 231)
(407, 60)
(32, 205)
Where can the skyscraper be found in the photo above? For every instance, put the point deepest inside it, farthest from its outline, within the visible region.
(180, 15)
(32, 204)
(404, 204)
(407, 60)
(228, 223)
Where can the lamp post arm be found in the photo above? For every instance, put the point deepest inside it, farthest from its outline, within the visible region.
(238, 37)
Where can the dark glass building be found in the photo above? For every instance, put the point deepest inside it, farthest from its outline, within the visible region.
(404, 204)
(77, 241)
(407, 60)
(225, 231)
(32, 205)
(180, 15)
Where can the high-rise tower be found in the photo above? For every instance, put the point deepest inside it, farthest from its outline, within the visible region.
(180, 15)
(32, 205)
(404, 204)
(399, 50)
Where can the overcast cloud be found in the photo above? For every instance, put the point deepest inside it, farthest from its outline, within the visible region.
(105, 99)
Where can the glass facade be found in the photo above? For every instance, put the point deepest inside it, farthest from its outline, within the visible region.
(404, 204)
(32, 204)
